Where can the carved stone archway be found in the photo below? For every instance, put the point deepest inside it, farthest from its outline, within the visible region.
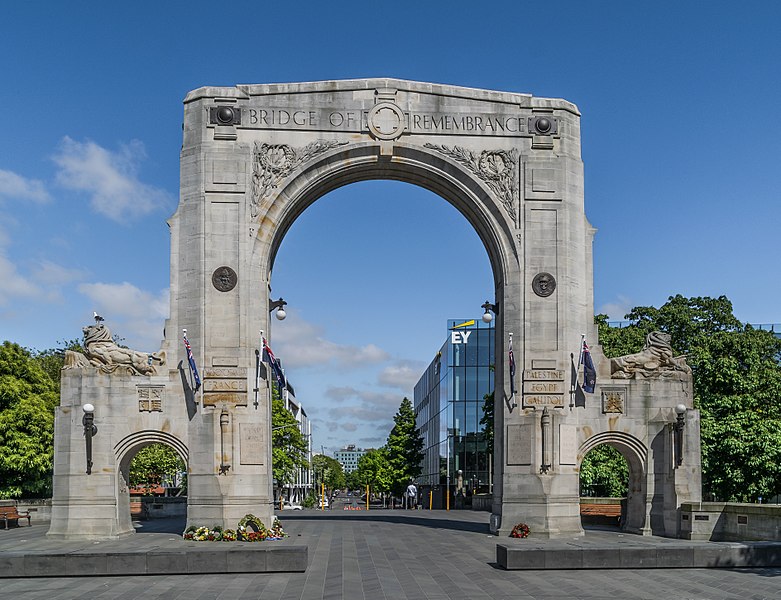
(253, 158)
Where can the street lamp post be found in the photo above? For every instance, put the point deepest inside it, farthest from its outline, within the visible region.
(280, 306)
(489, 308)
(680, 423)
(90, 430)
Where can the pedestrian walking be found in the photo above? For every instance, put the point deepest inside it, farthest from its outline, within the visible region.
(412, 495)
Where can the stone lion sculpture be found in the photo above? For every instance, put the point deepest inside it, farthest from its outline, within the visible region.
(655, 360)
(103, 353)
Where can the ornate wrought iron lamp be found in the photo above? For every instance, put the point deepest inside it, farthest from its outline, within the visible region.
(90, 430)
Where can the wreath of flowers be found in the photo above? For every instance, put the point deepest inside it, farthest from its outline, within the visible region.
(521, 530)
(250, 529)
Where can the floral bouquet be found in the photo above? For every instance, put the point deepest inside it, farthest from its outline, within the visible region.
(276, 532)
(521, 530)
(229, 535)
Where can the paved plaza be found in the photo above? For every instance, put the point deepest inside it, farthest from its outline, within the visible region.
(388, 554)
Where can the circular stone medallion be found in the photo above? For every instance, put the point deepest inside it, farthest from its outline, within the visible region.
(386, 121)
(224, 279)
(543, 284)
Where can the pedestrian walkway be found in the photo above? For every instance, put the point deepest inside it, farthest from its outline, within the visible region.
(377, 554)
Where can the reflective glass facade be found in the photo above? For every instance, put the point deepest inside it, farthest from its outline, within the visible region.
(449, 399)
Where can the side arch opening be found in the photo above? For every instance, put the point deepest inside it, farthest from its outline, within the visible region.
(158, 449)
(613, 465)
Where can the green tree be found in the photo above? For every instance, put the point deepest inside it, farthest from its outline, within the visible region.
(153, 464)
(329, 472)
(288, 444)
(28, 397)
(374, 470)
(52, 360)
(352, 480)
(405, 448)
(737, 387)
(487, 421)
(604, 473)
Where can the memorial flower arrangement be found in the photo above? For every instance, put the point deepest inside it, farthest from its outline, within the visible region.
(521, 530)
(250, 529)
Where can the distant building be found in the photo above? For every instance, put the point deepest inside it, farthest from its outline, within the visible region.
(449, 400)
(297, 490)
(348, 457)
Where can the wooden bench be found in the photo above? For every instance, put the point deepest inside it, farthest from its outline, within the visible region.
(605, 511)
(9, 513)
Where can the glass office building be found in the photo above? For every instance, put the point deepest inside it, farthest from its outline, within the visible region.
(449, 400)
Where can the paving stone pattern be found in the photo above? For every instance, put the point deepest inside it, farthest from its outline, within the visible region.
(397, 555)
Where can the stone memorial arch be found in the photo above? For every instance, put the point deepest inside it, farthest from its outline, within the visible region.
(253, 158)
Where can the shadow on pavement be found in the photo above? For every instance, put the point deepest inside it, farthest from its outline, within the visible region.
(398, 517)
(170, 525)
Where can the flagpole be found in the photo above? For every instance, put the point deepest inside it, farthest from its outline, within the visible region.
(573, 380)
(257, 370)
(189, 369)
(511, 355)
(580, 357)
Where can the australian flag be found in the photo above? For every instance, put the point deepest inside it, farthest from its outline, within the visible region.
(589, 372)
(191, 360)
(269, 357)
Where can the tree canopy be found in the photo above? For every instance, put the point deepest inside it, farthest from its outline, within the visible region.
(737, 388)
(404, 448)
(374, 470)
(28, 397)
(604, 473)
(329, 472)
(153, 464)
(288, 445)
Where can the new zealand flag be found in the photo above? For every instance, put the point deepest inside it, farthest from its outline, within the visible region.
(589, 372)
(191, 360)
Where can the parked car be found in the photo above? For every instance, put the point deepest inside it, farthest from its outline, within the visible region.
(288, 505)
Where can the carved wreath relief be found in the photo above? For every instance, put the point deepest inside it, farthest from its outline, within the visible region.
(497, 168)
(271, 163)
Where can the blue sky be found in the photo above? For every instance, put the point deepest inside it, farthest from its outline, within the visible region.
(681, 146)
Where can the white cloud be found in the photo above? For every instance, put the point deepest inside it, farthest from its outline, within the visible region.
(110, 178)
(17, 187)
(300, 344)
(372, 407)
(14, 285)
(49, 273)
(403, 374)
(131, 313)
(617, 310)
